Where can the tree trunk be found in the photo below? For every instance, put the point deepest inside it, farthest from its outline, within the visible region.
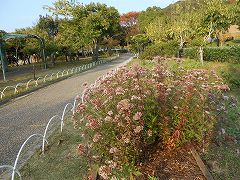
(66, 57)
(16, 55)
(95, 52)
(53, 58)
(222, 40)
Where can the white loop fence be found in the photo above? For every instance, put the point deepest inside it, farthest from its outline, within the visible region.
(27, 86)
(19, 153)
(2, 93)
(45, 132)
(69, 107)
(18, 85)
(44, 78)
(51, 77)
(63, 114)
(58, 74)
(38, 80)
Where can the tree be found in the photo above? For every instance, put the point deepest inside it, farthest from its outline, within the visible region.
(139, 42)
(96, 21)
(129, 19)
(217, 17)
(50, 26)
(129, 24)
(148, 16)
(91, 23)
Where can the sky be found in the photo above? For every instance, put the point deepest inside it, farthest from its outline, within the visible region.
(25, 13)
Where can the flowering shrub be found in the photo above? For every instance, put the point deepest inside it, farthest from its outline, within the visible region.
(136, 107)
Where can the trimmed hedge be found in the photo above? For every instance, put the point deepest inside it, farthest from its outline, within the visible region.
(221, 54)
(167, 49)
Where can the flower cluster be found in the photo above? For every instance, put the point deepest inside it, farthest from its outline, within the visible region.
(136, 107)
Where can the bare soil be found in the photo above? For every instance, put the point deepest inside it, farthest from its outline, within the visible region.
(178, 164)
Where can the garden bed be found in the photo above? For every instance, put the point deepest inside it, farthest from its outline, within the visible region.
(170, 158)
(177, 164)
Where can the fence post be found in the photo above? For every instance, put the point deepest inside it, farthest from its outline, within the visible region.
(45, 132)
(19, 153)
(63, 114)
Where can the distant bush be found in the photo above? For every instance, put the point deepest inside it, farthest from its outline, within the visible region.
(197, 42)
(221, 54)
(237, 41)
(191, 53)
(168, 49)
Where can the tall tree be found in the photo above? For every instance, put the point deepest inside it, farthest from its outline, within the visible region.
(93, 21)
(129, 24)
(217, 17)
(50, 26)
(148, 16)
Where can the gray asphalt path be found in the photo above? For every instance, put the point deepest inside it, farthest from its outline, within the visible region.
(30, 114)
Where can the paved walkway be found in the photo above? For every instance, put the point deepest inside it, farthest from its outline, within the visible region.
(30, 114)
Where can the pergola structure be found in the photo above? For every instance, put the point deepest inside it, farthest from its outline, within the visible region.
(5, 36)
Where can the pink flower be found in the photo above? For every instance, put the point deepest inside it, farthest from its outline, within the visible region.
(78, 97)
(81, 107)
(93, 123)
(104, 171)
(119, 91)
(112, 164)
(90, 177)
(123, 105)
(149, 132)
(126, 140)
(135, 98)
(110, 113)
(81, 149)
(224, 88)
(108, 119)
(137, 116)
(138, 129)
(113, 150)
(97, 137)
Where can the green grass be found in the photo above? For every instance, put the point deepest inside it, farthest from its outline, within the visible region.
(61, 160)
(222, 155)
(144, 63)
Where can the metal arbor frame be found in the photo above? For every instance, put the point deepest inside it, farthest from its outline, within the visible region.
(6, 37)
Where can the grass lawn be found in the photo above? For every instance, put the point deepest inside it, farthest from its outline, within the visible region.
(61, 160)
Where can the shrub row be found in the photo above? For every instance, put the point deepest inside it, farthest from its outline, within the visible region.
(221, 54)
(167, 49)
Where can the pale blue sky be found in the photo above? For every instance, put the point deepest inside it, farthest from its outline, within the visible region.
(25, 13)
